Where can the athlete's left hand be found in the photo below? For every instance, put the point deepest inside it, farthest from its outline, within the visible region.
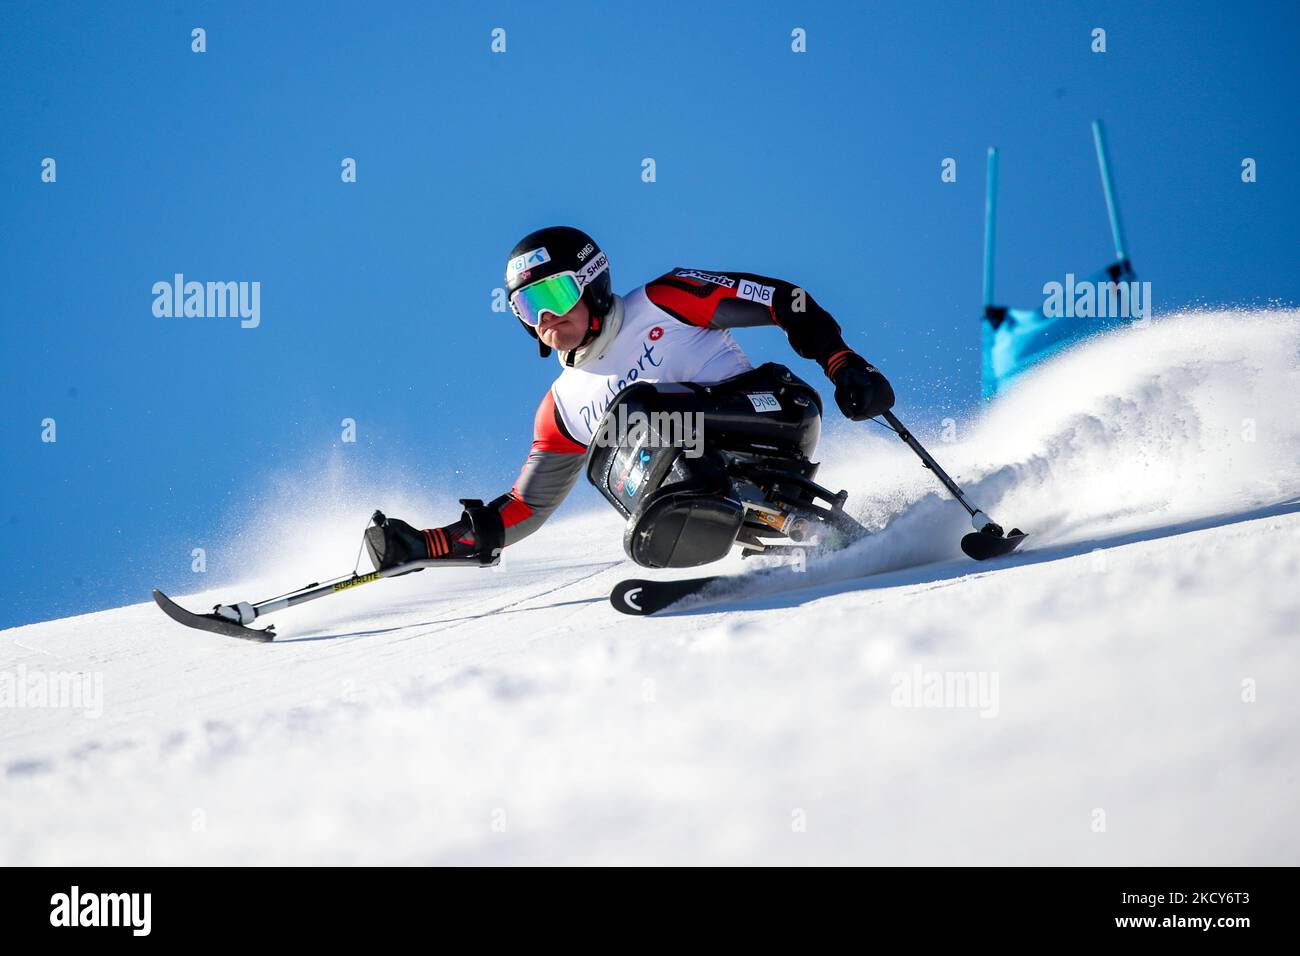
(861, 391)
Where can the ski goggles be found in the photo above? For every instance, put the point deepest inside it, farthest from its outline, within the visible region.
(556, 294)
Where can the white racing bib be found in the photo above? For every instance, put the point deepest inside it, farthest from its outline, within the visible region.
(651, 346)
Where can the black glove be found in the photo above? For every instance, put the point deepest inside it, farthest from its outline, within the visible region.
(478, 534)
(861, 391)
(393, 541)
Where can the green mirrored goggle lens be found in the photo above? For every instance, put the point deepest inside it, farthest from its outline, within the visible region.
(558, 294)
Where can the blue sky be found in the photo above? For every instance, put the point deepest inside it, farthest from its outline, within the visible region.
(820, 167)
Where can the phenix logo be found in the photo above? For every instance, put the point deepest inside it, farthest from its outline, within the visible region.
(103, 909)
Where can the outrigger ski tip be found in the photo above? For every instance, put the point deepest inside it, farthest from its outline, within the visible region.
(213, 622)
(989, 542)
(232, 620)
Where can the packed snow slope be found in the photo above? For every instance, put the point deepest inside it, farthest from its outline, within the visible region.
(1131, 692)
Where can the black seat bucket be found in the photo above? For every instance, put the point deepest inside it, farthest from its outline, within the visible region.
(692, 518)
(670, 483)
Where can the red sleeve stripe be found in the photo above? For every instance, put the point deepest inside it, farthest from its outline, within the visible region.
(436, 540)
(515, 510)
(690, 308)
(548, 430)
(836, 362)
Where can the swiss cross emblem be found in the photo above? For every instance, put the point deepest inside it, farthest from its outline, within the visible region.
(656, 334)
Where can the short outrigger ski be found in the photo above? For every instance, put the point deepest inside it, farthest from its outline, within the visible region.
(232, 620)
(214, 622)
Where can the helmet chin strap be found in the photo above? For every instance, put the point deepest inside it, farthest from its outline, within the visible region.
(594, 324)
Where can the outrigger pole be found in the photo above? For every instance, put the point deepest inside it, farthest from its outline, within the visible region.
(233, 619)
(988, 539)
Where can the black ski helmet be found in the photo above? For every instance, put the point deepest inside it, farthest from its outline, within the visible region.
(551, 251)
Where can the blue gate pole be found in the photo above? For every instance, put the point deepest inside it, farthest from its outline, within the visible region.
(990, 223)
(1112, 207)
